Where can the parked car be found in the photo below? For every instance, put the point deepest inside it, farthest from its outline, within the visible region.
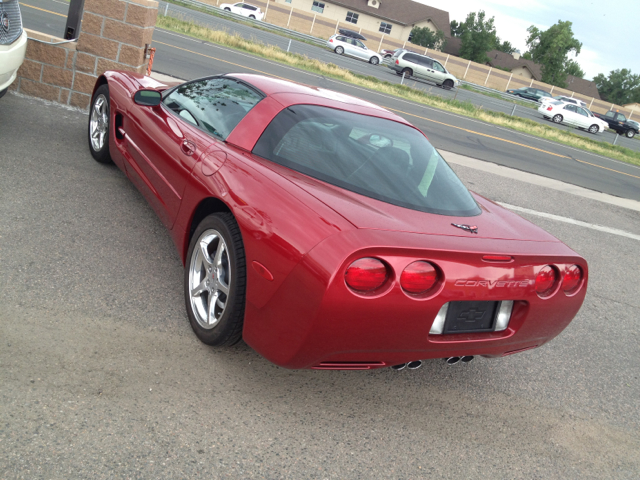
(244, 9)
(326, 231)
(345, 45)
(530, 93)
(573, 115)
(619, 123)
(13, 43)
(421, 66)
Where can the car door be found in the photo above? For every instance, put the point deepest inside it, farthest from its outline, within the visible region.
(238, 8)
(192, 118)
(361, 50)
(582, 118)
(570, 115)
(438, 72)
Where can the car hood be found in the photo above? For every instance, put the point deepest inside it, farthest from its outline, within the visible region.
(494, 221)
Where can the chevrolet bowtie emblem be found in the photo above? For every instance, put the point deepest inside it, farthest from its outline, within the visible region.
(468, 228)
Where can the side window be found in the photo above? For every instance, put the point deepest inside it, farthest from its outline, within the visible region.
(360, 44)
(571, 108)
(409, 57)
(582, 111)
(215, 105)
(622, 118)
(425, 62)
(437, 66)
(609, 114)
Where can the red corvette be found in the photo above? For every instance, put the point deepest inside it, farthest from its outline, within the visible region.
(326, 231)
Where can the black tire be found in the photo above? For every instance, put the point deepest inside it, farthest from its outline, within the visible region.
(387, 56)
(227, 9)
(630, 133)
(407, 72)
(374, 60)
(100, 150)
(447, 84)
(593, 129)
(557, 118)
(252, 16)
(339, 50)
(227, 329)
(3, 92)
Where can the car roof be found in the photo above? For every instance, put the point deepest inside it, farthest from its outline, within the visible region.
(290, 93)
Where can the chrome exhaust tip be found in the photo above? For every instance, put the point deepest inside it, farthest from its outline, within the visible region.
(398, 367)
(452, 360)
(416, 364)
(467, 359)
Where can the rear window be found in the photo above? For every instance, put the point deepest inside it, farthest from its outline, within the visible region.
(374, 157)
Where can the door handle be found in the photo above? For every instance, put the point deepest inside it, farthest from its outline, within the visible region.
(188, 147)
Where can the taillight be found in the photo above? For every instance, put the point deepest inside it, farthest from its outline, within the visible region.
(366, 274)
(331, 40)
(397, 62)
(572, 279)
(546, 280)
(419, 277)
(549, 109)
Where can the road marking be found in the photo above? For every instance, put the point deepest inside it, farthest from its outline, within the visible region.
(42, 9)
(605, 168)
(592, 226)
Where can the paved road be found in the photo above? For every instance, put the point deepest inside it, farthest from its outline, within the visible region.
(101, 376)
(54, 24)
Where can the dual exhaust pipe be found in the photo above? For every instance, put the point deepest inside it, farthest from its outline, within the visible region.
(416, 364)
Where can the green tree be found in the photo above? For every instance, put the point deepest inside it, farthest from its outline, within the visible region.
(550, 49)
(456, 29)
(620, 87)
(426, 37)
(573, 68)
(478, 37)
(505, 46)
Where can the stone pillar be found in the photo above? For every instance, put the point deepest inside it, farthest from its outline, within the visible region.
(112, 36)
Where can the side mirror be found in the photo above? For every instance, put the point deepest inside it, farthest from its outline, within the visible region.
(148, 98)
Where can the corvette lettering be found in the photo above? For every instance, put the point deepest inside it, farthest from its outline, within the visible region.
(492, 284)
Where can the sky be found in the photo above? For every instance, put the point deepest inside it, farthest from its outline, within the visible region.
(609, 36)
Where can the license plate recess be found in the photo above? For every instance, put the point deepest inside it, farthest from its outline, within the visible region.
(471, 317)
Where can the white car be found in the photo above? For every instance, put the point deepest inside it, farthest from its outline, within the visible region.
(244, 9)
(13, 43)
(344, 45)
(572, 115)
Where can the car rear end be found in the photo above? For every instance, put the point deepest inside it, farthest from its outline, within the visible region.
(412, 297)
(13, 42)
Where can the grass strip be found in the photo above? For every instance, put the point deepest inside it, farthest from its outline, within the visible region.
(464, 108)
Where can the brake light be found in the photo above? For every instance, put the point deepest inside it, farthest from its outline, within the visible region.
(419, 277)
(549, 108)
(366, 274)
(397, 62)
(546, 280)
(331, 40)
(572, 279)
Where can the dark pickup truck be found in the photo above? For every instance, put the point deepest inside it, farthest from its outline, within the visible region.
(618, 122)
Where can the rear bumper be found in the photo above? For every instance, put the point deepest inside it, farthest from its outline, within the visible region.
(315, 318)
(11, 57)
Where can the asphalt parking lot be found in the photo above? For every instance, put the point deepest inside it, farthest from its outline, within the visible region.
(102, 377)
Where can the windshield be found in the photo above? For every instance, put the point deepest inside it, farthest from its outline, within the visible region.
(378, 158)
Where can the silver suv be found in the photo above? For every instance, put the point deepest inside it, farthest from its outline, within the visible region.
(421, 66)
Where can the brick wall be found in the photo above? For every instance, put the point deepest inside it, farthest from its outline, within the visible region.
(112, 36)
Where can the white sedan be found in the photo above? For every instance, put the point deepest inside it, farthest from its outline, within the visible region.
(244, 9)
(573, 115)
(344, 45)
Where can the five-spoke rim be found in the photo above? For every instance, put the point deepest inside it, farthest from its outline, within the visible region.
(209, 279)
(99, 123)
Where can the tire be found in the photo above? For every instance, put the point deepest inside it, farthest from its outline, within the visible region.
(3, 92)
(252, 16)
(387, 56)
(557, 118)
(374, 60)
(218, 235)
(407, 72)
(100, 125)
(630, 133)
(339, 50)
(227, 9)
(447, 84)
(593, 129)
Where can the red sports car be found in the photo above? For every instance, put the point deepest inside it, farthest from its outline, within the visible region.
(326, 231)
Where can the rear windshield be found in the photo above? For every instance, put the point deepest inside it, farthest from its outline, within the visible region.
(378, 158)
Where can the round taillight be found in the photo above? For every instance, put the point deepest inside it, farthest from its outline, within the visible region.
(546, 280)
(572, 279)
(419, 277)
(366, 274)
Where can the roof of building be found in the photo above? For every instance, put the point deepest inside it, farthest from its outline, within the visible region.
(402, 12)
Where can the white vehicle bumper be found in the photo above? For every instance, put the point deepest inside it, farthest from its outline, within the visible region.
(11, 57)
